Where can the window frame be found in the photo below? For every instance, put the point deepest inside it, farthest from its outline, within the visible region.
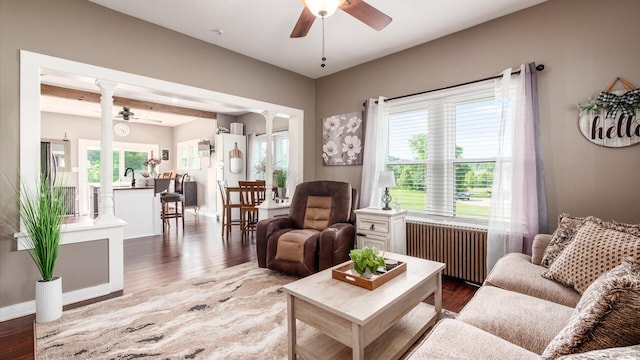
(193, 158)
(84, 145)
(446, 100)
(279, 148)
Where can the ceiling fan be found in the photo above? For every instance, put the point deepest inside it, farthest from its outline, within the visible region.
(126, 114)
(324, 8)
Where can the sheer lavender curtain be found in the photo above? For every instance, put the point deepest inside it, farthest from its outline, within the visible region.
(375, 149)
(518, 203)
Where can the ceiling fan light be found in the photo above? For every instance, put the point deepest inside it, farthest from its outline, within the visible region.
(323, 8)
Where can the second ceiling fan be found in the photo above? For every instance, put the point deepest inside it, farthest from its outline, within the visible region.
(323, 8)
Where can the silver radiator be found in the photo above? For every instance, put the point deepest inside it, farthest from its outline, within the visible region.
(462, 249)
(70, 200)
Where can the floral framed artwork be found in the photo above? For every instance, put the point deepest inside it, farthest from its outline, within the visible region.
(342, 139)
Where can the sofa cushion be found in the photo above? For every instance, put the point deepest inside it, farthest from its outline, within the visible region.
(606, 316)
(523, 320)
(618, 353)
(515, 272)
(596, 248)
(567, 227)
(540, 244)
(452, 339)
(291, 244)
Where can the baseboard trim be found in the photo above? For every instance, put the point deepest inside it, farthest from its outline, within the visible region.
(29, 307)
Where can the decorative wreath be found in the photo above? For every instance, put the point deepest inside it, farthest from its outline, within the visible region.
(628, 103)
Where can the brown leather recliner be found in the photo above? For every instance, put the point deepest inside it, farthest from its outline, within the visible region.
(317, 234)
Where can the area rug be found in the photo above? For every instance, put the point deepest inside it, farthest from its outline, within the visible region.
(237, 313)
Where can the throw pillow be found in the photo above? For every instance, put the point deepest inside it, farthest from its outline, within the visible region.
(596, 248)
(619, 353)
(606, 316)
(567, 227)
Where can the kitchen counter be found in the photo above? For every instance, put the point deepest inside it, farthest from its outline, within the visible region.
(139, 208)
(131, 188)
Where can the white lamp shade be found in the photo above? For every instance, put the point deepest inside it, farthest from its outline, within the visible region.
(386, 179)
(322, 8)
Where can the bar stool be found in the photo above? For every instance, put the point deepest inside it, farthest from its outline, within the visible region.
(172, 204)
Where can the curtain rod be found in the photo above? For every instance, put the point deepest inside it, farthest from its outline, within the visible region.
(539, 68)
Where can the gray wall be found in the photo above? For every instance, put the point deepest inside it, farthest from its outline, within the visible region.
(583, 43)
(202, 129)
(88, 33)
(54, 126)
(256, 124)
(584, 46)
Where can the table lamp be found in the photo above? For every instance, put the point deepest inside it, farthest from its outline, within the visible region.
(386, 179)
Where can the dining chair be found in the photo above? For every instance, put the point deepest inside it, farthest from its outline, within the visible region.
(227, 205)
(252, 194)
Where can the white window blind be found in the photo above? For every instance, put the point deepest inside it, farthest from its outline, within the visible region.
(442, 148)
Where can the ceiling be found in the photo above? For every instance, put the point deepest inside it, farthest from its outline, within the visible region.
(260, 28)
(60, 105)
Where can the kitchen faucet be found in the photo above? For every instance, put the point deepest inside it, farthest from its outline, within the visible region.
(133, 176)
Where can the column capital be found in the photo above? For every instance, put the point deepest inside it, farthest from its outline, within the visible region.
(106, 84)
(269, 115)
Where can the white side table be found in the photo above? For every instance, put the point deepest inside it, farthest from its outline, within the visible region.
(266, 211)
(384, 229)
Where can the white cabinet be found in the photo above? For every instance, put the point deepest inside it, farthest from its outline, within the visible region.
(384, 229)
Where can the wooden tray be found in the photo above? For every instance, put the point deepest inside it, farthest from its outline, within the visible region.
(343, 273)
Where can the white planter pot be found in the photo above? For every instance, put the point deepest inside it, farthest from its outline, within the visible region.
(367, 274)
(48, 300)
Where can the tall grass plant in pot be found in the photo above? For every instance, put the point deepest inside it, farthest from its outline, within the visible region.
(42, 212)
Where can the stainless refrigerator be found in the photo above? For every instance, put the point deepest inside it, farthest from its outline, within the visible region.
(48, 162)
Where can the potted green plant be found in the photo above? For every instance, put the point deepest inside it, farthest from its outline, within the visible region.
(366, 261)
(42, 212)
(281, 182)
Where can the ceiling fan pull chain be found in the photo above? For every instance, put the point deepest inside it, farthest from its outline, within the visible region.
(323, 58)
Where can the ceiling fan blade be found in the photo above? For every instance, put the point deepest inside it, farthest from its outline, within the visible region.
(154, 120)
(304, 24)
(366, 13)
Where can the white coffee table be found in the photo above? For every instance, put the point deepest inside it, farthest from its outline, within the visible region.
(353, 322)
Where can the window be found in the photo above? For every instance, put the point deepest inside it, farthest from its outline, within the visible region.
(259, 153)
(442, 149)
(188, 157)
(124, 155)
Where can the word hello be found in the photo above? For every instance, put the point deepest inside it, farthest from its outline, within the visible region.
(623, 127)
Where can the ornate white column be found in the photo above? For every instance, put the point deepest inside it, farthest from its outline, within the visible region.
(105, 213)
(268, 116)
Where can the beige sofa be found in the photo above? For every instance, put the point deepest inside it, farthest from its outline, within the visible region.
(516, 314)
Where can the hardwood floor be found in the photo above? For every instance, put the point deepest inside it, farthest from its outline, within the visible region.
(156, 260)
